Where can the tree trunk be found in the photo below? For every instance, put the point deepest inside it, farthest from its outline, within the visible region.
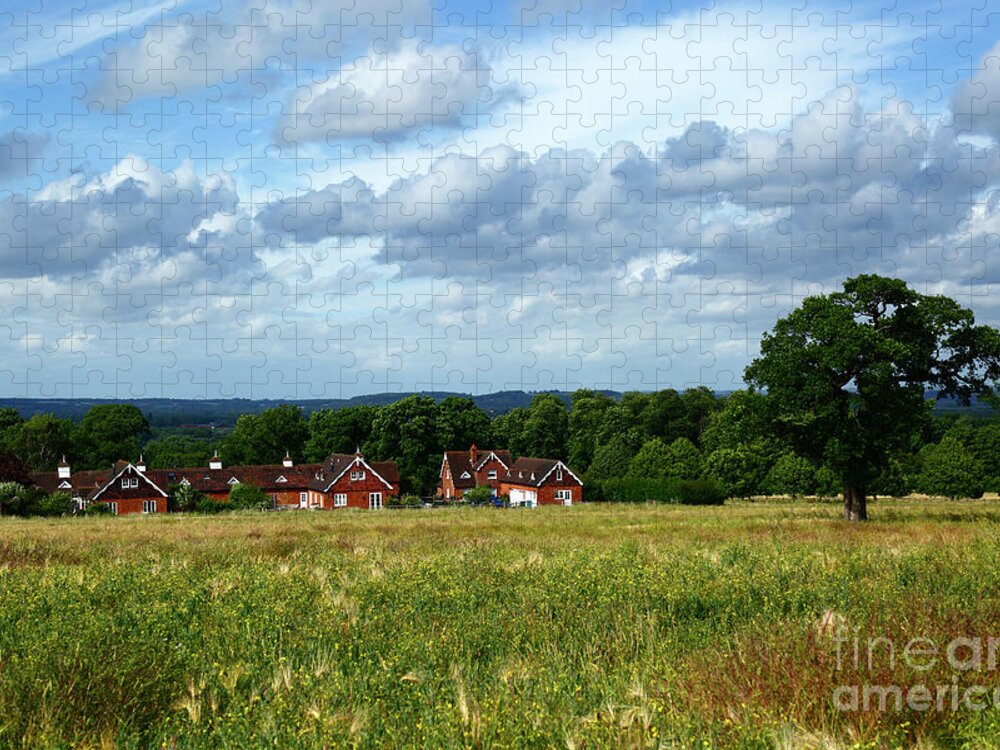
(855, 504)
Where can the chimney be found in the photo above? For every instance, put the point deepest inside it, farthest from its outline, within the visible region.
(215, 462)
(141, 466)
(64, 469)
(287, 463)
(473, 454)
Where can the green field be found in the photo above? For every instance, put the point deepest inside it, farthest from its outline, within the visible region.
(596, 626)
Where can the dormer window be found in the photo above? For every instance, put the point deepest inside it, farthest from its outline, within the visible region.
(281, 479)
(466, 475)
(357, 476)
(233, 480)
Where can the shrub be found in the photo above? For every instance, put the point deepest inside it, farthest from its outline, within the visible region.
(640, 490)
(246, 496)
(183, 498)
(208, 505)
(478, 495)
(700, 492)
(56, 504)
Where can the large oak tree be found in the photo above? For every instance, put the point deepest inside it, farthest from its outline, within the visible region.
(845, 374)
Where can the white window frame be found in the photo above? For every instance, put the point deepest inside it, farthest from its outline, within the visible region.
(149, 506)
(564, 495)
(129, 483)
(114, 507)
(358, 476)
(491, 474)
(303, 497)
(374, 501)
(340, 500)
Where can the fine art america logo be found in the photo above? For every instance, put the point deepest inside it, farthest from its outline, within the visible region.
(929, 675)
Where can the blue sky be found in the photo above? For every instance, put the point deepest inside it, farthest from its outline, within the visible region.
(300, 200)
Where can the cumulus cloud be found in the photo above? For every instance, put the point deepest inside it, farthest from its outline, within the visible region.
(394, 95)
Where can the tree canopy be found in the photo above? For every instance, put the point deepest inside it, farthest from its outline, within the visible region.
(845, 374)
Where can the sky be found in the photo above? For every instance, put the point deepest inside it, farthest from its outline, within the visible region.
(297, 199)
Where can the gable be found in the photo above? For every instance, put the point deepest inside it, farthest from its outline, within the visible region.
(132, 472)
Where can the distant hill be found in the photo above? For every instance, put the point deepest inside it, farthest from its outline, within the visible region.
(171, 412)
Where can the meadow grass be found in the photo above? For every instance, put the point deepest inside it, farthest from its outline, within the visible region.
(591, 626)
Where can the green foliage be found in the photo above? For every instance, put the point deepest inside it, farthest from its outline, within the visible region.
(828, 482)
(42, 440)
(584, 423)
(10, 424)
(183, 498)
(791, 475)
(632, 490)
(406, 432)
(338, 431)
(741, 470)
(700, 492)
(56, 504)
(460, 423)
(18, 500)
(478, 495)
(950, 470)
(247, 496)
(652, 461)
(175, 451)
(845, 374)
(507, 430)
(265, 438)
(612, 459)
(107, 433)
(546, 427)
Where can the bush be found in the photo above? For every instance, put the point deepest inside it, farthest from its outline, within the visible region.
(183, 498)
(246, 496)
(478, 495)
(97, 509)
(700, 492)
(208, 505)
(640, 490)
(56, 504)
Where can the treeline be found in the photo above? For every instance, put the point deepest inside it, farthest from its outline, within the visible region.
(642, 444)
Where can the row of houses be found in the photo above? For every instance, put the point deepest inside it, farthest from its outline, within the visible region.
(341, 481)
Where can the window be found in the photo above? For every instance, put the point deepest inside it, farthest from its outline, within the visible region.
(130, 482)
(233, 480)
(564, 494)
(357, 476)
(281, 479)
(466, 475)
(559, 473)
(171, 476)
(114, 508)
(492, 474)
(149, 506)
(303, 497)
(374, 501)
(340, 500)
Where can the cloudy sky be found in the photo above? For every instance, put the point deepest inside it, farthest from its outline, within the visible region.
(291, 199)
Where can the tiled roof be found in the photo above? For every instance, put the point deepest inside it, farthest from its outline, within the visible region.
(461, 461)
(266, 476)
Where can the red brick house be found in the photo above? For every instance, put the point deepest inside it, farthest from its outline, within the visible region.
(541, 481)
(125, 487)
(463, 470)
(346, 481)
(341, 481)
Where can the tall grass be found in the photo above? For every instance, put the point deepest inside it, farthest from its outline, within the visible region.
(599, 626)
